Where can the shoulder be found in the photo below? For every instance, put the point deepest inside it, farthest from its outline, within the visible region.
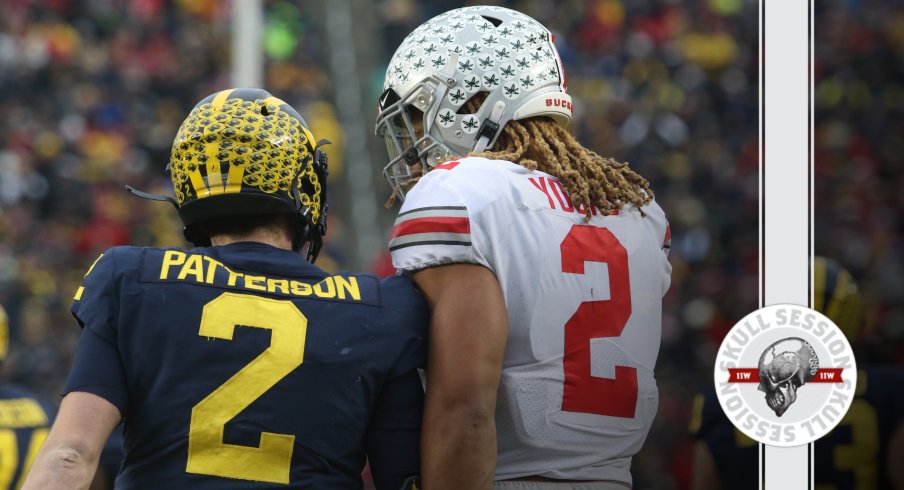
(656, 216)
(401, 286)
(473, 181)
(655, 219)
(121, 260)
(654, 210)
(111, 270)
(400, 292)
(110, 264)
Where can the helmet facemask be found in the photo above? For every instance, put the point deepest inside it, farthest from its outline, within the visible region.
(406, 131)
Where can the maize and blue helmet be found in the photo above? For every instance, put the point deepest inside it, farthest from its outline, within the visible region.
(243, 152)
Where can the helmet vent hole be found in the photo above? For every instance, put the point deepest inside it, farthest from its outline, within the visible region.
(494, 20)
(264, 111)
(472, 105)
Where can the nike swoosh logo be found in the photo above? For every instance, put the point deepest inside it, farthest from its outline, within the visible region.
(383, 100)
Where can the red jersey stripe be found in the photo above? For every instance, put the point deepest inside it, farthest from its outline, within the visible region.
(447, 165)
(432, 224)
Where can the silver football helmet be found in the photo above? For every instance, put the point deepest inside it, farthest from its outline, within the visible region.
(448, 60)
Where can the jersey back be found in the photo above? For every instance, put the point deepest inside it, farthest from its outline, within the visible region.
(24, 423)
(243, 366)
(577, 395)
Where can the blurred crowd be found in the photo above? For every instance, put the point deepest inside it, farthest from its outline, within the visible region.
(92, 92)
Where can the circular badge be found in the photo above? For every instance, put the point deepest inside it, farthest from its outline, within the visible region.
(785, 375)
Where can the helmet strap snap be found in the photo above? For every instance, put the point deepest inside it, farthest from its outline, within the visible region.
(490, 127)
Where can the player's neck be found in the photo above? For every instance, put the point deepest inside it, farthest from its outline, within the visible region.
(260, 235)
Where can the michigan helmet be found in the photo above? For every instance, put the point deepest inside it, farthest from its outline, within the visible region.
(244, 152)
(473, 51)
(835, 295)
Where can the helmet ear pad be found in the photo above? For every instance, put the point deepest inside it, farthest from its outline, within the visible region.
(311, 232)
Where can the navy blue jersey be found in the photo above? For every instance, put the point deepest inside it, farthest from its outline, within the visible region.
(24, 423)
(850, 457)
(244, 366)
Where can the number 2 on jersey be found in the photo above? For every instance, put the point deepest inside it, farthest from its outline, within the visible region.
(207, 453)
(583, 392)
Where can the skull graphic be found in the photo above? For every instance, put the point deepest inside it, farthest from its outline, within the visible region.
(784, 367)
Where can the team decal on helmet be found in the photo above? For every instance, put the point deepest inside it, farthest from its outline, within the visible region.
(449, 60)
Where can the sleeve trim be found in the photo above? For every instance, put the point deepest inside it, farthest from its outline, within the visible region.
(447, 211)
(443, 225)
(430, 239)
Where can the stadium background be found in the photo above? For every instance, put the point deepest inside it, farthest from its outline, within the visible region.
(92, 92)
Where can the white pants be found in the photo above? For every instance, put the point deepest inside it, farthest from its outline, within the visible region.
(542, 485)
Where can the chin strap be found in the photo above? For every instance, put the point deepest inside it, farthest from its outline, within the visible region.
(490, 128)
(312, 233)
(192, 233)
(152, 197)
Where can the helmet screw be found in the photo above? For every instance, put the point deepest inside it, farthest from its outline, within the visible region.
(421, 100)
(450, 81)
(458, 133)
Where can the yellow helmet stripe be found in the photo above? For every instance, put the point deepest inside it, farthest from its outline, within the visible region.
(197, 182)
(217, 103)
(214, 178)
(214, 169)
(310, 138)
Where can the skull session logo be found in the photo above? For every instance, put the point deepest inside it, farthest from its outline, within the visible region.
(785, 375)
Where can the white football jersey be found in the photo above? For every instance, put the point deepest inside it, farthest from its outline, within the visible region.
(584, 300)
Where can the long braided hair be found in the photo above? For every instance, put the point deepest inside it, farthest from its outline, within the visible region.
(539, 143)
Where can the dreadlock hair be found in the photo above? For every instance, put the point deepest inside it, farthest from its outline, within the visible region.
(539, 143)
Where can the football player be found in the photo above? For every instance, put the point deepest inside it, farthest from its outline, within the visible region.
(863, 452)
(238, 364)
(544, 263)
(24, 422)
